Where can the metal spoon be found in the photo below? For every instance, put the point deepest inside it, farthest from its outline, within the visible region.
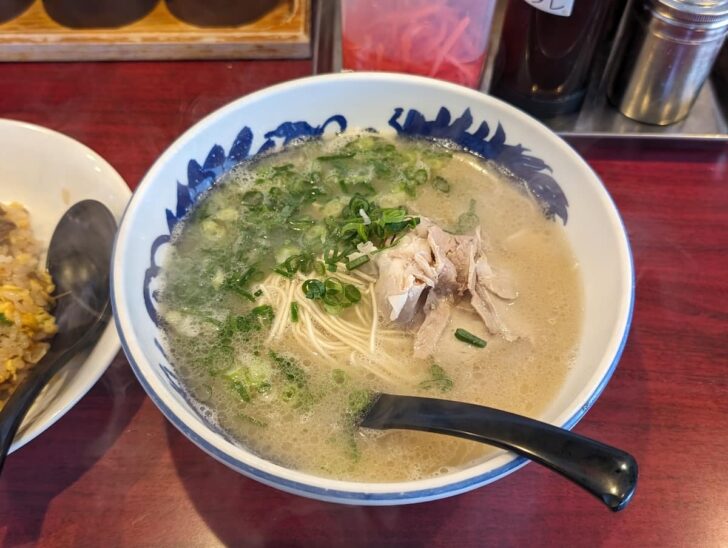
(606, 472)
(79, 258)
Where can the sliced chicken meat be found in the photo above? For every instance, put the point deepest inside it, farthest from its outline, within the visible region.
(402, 278)
(498, 285)
(427, 271)
(447, 275)
(437, 315)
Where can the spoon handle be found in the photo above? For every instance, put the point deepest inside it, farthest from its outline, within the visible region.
(606, 472)
(22, 398)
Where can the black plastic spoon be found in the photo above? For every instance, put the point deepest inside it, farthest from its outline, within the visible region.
(606, 472)
(79, 258)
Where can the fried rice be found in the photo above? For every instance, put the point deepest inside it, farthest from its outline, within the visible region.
(26, 324)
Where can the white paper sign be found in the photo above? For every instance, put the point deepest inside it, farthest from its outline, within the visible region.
(555, 7)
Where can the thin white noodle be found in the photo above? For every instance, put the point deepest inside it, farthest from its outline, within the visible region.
(349, 279)
(314, 339)
(339, 331)
(360, 314)
(302, 336)
(324, 342)
(392, 374)
(320, 338)
(336, 321)
(333, 337)
(266, 294)
(365, 277)
(283, 315)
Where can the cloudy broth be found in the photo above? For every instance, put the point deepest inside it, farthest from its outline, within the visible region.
(254, 350)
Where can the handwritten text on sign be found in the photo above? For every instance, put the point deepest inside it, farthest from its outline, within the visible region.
(556, 7)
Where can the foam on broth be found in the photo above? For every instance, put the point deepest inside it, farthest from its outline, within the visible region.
(521, 376)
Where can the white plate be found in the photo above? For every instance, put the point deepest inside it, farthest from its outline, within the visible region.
(47, 172)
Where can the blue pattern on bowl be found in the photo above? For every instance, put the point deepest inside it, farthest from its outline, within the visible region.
(201, 178)
(529, 170)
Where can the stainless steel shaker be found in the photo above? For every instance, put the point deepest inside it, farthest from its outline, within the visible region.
(665, 53)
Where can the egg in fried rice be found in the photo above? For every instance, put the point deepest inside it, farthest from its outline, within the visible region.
(26, 324)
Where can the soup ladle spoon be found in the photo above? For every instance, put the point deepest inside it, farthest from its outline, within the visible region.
(606, 472)
(79, 258)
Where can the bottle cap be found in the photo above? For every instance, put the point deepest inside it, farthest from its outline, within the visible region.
(698, 13)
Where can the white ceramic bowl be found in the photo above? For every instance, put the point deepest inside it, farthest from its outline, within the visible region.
(48, 172)
(320, 105)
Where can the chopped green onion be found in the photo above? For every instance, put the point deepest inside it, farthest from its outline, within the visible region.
(241, 390)
(294, 311)
(4, 320)
(469, 220)
(244, 293)
(238, 284)
(258, 293)
(439, 379)
(339, 156)
(290, 369)
(292, 263)
(283, 272)
(313, 289)
(305, 264)
(252, 420)
(359, 401)
(409, 188)
(283, 168)
(357, 203)
(333, 286)
(364, 188)
(253, 198)
(332, 309)
(264, 311)
(356, 263)
(441, 184)
(339, 376)
(467, 337)
(332, 303)
(420, 176)
(334, 295)
(319, 268)
(352, 294)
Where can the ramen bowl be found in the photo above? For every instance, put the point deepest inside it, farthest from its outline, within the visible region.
(568, 191)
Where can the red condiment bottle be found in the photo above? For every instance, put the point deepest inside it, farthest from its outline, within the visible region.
(444, 39)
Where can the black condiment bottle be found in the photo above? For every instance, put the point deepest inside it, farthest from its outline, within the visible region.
(545, 57)
(720, 77)
(97, 13)
(220, 13)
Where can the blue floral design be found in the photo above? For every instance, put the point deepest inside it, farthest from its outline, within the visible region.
(201, 177)
(530, 171)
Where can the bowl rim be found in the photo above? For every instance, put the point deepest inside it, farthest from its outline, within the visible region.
(108, 345)
(369, 493)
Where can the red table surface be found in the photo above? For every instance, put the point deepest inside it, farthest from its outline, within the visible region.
(114, 472)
